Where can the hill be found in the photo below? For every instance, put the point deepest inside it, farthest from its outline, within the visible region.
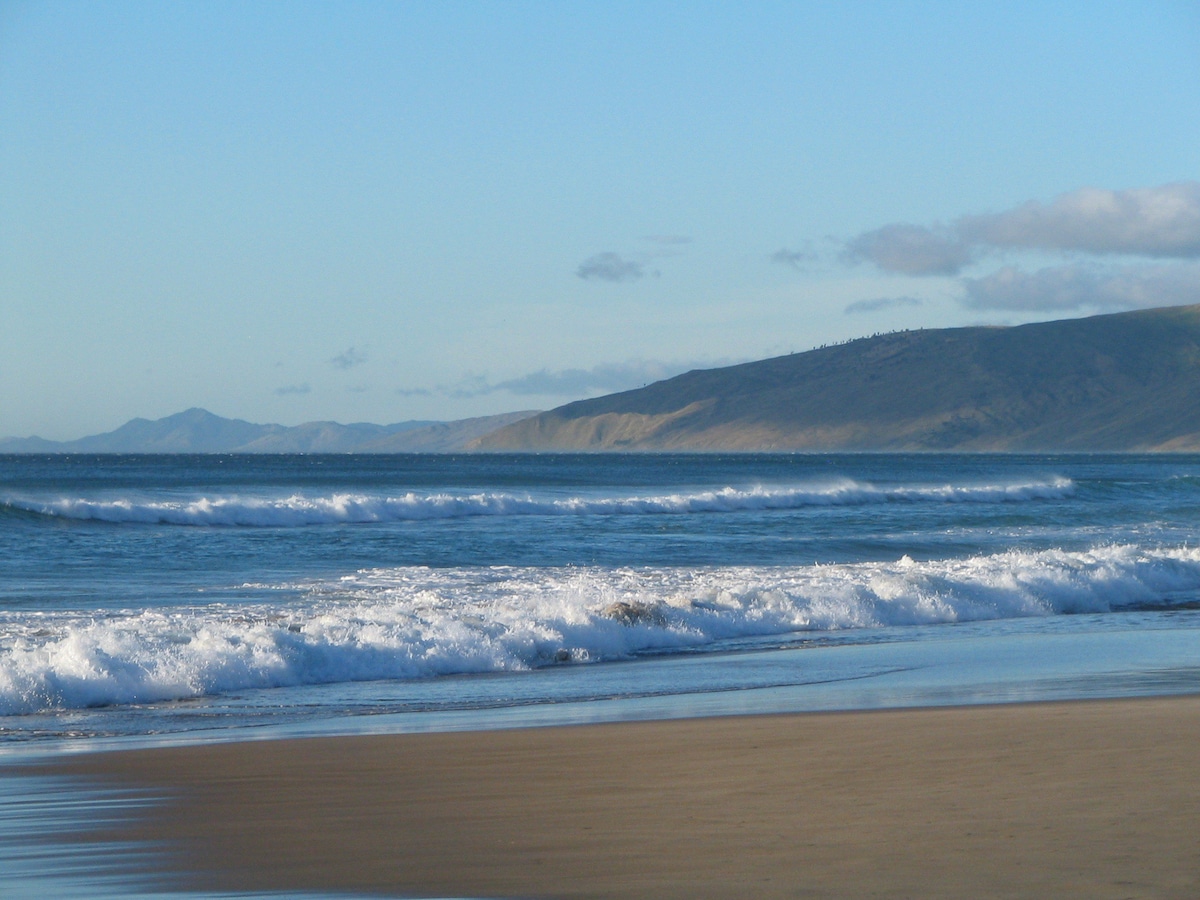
(1119, 382)
(199, 431)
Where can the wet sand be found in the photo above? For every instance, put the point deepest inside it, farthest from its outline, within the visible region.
(1089, 799)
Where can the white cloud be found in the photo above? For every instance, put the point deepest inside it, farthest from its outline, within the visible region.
(1158, 222)
(1085, 286)
(293, 389)
(1155, 222)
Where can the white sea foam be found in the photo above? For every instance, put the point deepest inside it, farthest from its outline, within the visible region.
(300, 510)
(416, 622)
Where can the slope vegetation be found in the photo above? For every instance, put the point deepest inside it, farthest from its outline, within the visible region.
(1127, 381)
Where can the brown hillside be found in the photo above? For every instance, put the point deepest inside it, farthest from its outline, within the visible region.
(1127, 381)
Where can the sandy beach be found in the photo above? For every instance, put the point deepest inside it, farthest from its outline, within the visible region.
(1085, 799)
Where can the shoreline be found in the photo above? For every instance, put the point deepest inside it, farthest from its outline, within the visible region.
(1092, 798)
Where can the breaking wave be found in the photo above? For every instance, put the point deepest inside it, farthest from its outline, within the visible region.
(417, 622)
(298, 510)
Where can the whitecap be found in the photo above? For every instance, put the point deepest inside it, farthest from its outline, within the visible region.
(412, 622)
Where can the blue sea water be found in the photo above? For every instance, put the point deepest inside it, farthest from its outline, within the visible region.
(160, 599)
(204, 597)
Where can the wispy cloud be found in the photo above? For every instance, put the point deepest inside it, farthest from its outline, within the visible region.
(617, 267)
(605, 378)
(291, 389)
(610, 267)
(793, 258)
(471, 386)
(880, 303)
(348, 359)
(1085, 286)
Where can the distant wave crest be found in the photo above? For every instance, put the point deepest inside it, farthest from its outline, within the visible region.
(298, 510)
(417, 622)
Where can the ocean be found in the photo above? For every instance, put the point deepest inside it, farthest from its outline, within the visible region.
(161, 599)
(146, 598)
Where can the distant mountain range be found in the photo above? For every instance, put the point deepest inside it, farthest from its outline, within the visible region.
(1121, 382)
(199, 431)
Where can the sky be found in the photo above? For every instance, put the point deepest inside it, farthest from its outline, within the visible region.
(364, 211)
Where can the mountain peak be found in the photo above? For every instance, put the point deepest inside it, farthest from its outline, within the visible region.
(197, 430)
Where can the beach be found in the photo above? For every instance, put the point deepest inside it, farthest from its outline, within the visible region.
(1090, 799)
(601, 676)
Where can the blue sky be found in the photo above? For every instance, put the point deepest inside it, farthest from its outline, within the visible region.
(381, 211)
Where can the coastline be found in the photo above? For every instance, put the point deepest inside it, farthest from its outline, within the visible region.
(1088, 799)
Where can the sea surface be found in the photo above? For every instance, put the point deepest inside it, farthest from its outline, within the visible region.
(201, 597)
(151, 600)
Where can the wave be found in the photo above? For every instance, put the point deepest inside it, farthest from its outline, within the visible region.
(419, 622)
(298, 510)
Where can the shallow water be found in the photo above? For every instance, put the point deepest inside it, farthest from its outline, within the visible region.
(147, 594)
